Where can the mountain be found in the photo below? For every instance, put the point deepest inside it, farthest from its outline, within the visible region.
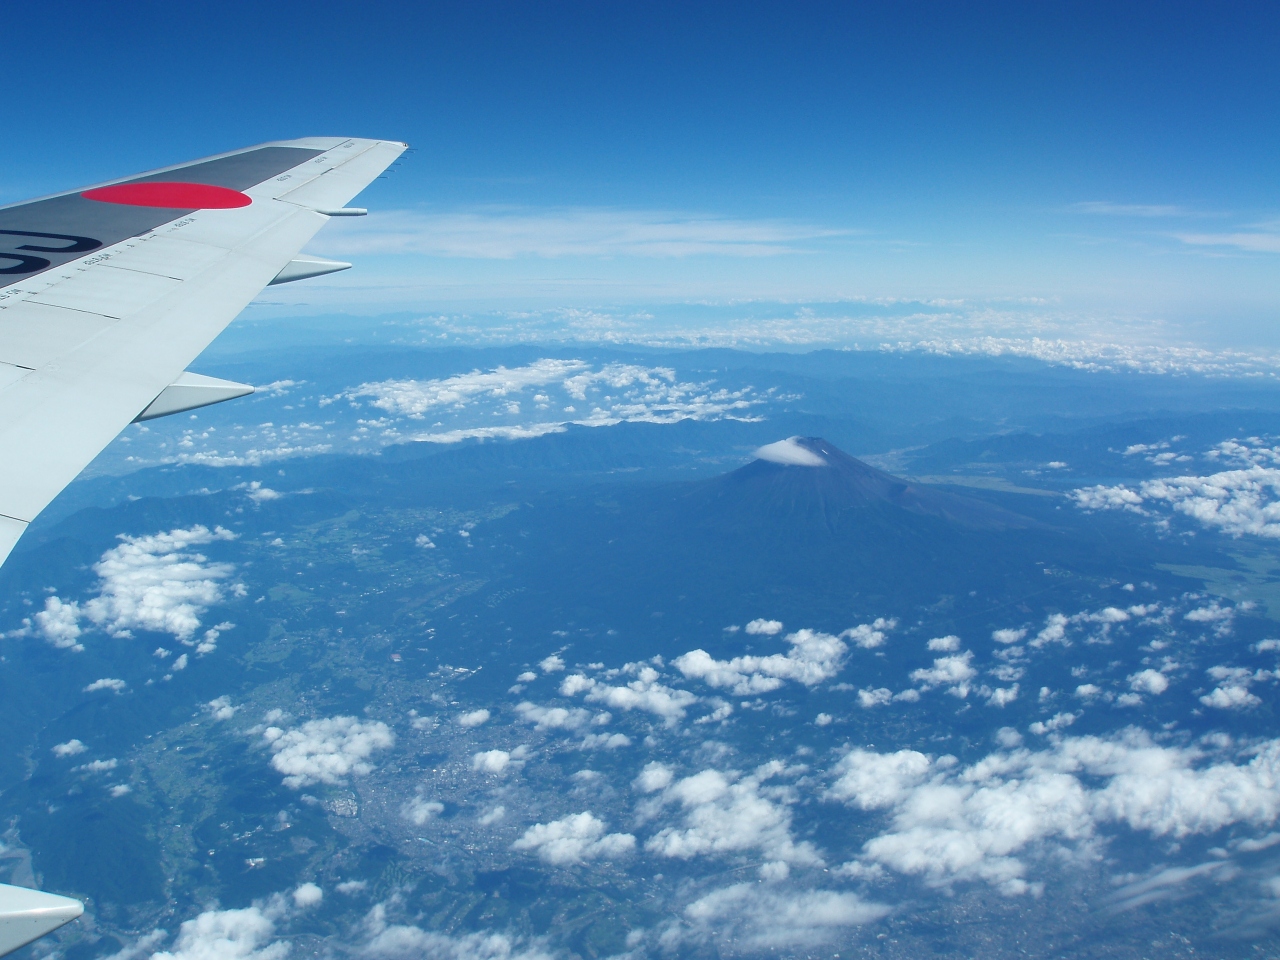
(804, 533)
(807, 479)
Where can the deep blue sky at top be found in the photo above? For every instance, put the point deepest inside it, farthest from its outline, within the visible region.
(1005, 141)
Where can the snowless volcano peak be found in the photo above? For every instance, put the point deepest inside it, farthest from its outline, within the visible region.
(791, 452)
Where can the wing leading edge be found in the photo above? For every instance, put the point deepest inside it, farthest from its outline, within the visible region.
(108, 293)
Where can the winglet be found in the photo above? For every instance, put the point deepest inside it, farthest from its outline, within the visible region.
(190, 392)
(27, 915)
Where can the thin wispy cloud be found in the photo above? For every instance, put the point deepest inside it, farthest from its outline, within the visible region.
(1250, 242)
(504, 233)
(1109, 209)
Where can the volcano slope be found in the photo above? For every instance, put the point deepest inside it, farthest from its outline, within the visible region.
(807, 532)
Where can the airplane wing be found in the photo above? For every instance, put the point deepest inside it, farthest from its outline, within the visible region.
(27, 915)
(108, 292)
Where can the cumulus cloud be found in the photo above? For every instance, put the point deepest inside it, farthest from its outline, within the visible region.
(551, 664)
(574, 839)
(404, 941)
(68, 749)
(645, 693)
(244, 934)
(813, 658)
(869, 697)
(327, 750)
(59, 623)
(151, 583)
(473, 718)
(220, 708)
(769, 918)
(762, 627)
(553, 718)
(954, 673)
(947, 644)
(106, 683)
(720, 812)
(1239, 502)
(307, 895)
(1148, 681)
(949, 822)
(418, 810)
(1232, 691)
(491, 761)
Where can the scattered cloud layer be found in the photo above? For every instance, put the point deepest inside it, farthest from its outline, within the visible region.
(768, 918)
(1238, 502)
(545, 397)
(950, 822)
(721, 812)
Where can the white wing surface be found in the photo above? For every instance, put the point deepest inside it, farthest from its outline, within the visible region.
(108, 293)
(27, 915)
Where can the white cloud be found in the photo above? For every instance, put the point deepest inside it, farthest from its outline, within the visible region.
(877, 697)
(1001, 696)
(505, 233)
(59, 623)
(953, 672)
(1244, 501)
(1057, 722)
(1108, 208)
(401, 941)
(950, 822)
(68, 749)
(418, 810)
(147, 583)
(614, 393)
(790, 453)
(762, 627)
(654, 776)
(947, 644)
(1230, 697)
(491, 761)
(120, 790)
(1148, 681)
(220, 708)
(643, 693)
(722, 812)
(553, 718)
(768, 919)
(813, 657)
(1249, 241)
(1008, 635)
(98, 766)
(473, 718)
(1232, 691)
(106, 683)
(307, 895)
(551, 664)
(574, 839)
(352, 886)
(327, 750)
(605, 741)
(245, 934)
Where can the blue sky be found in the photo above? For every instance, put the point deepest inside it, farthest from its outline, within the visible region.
(1072, 168)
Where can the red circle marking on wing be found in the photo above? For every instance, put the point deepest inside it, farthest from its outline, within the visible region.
(174, 196)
